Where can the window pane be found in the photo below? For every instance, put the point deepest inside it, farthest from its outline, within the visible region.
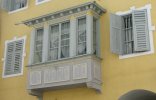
(65, 28)
(81, 36)
(94, 36)
(38, 46)
(128, 36)
(54, 42)
(17, 4)
(40, 0)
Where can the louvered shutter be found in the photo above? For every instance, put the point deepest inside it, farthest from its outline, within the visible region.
(116, 34)
(5, 4)
(140, 31)
(9, 59)
(18, 56)
(14, 57)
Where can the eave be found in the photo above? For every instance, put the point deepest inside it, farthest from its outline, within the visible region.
(72, 10)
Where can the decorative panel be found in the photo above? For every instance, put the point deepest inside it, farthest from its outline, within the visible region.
(35, 77)
(97, 71)
(57, 74)
(80, 71)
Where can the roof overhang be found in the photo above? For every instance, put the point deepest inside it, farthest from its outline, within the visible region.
(72, 10)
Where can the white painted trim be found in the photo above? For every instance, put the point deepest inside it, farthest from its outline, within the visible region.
(20, 9)
(38, 3)
(22, 66)
(150, 26)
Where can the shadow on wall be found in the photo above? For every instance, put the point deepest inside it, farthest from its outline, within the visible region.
(139, 95)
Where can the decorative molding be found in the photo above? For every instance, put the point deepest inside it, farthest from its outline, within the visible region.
(93, 6)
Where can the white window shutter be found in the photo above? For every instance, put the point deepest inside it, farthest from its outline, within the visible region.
(18, 55)
(116, 34)
(14, 57)
(140, 30)
(9, 58)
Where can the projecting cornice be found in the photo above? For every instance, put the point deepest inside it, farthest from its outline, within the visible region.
(66, 12)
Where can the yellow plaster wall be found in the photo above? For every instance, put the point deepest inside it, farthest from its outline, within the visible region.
(119, 76)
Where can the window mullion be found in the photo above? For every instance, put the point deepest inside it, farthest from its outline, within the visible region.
(89, 33)
(32, 47)
(45, 43)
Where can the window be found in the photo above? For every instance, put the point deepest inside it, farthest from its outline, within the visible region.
(81, 44)
(59, 41)
(64, 39)
(94, 36)
(38, 45)
(12, 5)
(129, 33)
(41, 1)
(14, 57)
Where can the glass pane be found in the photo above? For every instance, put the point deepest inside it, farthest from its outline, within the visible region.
(17, 4)
(65, 42)
(65, 28)
(81, 36)
(82, 48)
(38, 46)
(65, 52)
(54, 42)
(53, 54)
(94, 36)
(37, 57)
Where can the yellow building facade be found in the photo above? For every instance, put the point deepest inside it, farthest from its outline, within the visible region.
(119, 73)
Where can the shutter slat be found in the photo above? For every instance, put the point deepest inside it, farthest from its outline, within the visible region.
(116, 34)
(140, 31)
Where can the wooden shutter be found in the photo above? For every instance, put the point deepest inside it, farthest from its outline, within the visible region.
(9, 58)
(140, 30)
(14, 57)
(18, 55)
(116, 34)
(5, 4)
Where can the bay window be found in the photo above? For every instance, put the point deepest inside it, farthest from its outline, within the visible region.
(61, 39)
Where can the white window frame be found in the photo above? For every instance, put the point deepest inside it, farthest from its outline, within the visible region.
(80, 17)
(5, 53)
(20, 9)
(59, 47)
(38, 3)
(151, 29)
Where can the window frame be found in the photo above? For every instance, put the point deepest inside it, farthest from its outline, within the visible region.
(77, 19)
(59, 45)
(5, 53)
(35, 44)
(151, 29)
(41, 2)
